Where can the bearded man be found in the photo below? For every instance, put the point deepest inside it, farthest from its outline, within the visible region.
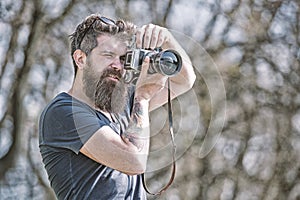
(94, 139)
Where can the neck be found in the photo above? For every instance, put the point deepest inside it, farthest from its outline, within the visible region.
(77, 90)
(78, 94)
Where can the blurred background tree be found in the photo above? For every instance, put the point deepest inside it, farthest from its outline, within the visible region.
(252, 47)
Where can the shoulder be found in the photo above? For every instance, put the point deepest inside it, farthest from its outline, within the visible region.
(65, 103)
(65, 111)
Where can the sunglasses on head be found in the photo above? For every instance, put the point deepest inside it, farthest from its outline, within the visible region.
(104, 20)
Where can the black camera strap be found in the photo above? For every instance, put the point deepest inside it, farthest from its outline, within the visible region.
(170, 116)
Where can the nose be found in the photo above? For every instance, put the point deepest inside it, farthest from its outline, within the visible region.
(117, 64)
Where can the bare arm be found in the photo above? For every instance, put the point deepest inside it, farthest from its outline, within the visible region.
(127, 154)
(137, 132)
(152, 36)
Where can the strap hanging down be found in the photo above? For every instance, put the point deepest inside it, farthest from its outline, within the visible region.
(170, 115)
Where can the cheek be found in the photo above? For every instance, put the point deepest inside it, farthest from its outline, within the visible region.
(96, 66)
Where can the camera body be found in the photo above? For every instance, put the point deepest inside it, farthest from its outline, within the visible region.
(167, 62)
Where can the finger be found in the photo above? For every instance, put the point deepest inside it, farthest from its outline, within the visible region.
(147, 36)
(161, 38)
(145, 67)
(154, 37)
(139, 37)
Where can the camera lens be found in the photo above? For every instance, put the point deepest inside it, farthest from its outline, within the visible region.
(170, 63)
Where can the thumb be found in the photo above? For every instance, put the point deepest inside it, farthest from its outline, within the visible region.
(145, 67)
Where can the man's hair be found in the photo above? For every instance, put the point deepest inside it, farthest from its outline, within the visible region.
(85, 35)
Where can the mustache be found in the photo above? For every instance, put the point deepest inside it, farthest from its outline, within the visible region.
(110, 95)
(112, 73)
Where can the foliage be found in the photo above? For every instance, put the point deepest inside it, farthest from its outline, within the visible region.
(246, 56)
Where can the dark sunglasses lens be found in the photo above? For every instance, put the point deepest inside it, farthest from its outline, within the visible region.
(107, 21)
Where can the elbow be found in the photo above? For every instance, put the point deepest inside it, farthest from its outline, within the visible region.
(137, 166)
(140, 166)
(190, 81)
(188, 74)
(187, 77)
(136, 171)
(137, 157)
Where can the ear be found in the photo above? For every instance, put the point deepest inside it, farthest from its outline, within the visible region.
(79, 58)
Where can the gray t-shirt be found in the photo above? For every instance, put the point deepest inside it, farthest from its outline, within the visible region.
(65, 125)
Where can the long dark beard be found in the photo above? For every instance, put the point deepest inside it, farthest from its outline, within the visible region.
(108, 95)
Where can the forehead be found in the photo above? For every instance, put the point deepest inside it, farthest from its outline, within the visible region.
(111, 43)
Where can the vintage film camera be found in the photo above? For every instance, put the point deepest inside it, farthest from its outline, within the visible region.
(165, 62)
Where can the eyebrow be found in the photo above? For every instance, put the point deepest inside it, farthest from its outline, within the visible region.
(110, 52)
(107, 52)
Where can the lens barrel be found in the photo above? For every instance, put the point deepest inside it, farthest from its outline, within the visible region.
(167, 62)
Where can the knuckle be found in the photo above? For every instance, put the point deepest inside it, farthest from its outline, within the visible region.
(139, 32)
(150, 25)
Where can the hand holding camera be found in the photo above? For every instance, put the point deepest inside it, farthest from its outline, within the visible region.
(148, 42)
(167, 63)
(147, 85)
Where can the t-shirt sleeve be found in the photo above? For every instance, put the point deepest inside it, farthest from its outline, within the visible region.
(69, 125)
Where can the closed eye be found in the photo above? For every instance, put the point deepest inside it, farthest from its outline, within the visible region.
(108, 55)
